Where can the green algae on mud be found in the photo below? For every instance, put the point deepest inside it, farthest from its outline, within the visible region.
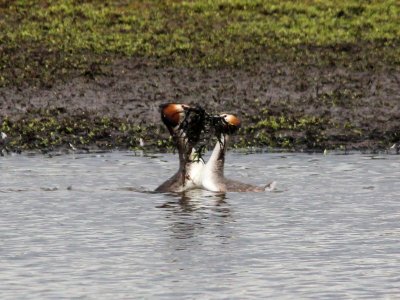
(53, 129)
(50, 130)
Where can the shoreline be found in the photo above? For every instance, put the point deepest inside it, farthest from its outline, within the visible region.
(300, 75)
(281, 105)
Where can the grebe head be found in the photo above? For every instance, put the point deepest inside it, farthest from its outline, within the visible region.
(232, 123)
(173, 114)
(226, 124)
(184, 122)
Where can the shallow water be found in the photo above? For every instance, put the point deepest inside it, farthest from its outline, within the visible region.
(75, 226)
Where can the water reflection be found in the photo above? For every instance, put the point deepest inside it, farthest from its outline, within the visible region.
(194, 199)
(190, 213)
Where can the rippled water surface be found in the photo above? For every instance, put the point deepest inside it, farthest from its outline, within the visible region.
(77, 226)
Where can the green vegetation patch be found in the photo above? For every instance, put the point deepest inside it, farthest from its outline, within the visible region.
(41, 41)
(300, 132)
(284, 131)
(52, 129)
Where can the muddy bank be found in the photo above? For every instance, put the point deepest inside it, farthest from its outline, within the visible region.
(297, 106)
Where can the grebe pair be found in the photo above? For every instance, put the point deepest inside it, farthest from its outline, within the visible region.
(185, 124)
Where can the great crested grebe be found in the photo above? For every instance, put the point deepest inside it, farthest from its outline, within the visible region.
(212, 174)
(185, 124)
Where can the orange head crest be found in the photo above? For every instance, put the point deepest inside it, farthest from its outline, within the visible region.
(172, 114)
(231, 123)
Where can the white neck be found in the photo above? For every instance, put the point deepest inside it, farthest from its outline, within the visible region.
(213, 172)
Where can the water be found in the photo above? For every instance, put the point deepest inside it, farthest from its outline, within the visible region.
(75, 226)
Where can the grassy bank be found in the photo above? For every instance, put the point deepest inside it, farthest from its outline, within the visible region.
(44, 43)
(45, 40)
